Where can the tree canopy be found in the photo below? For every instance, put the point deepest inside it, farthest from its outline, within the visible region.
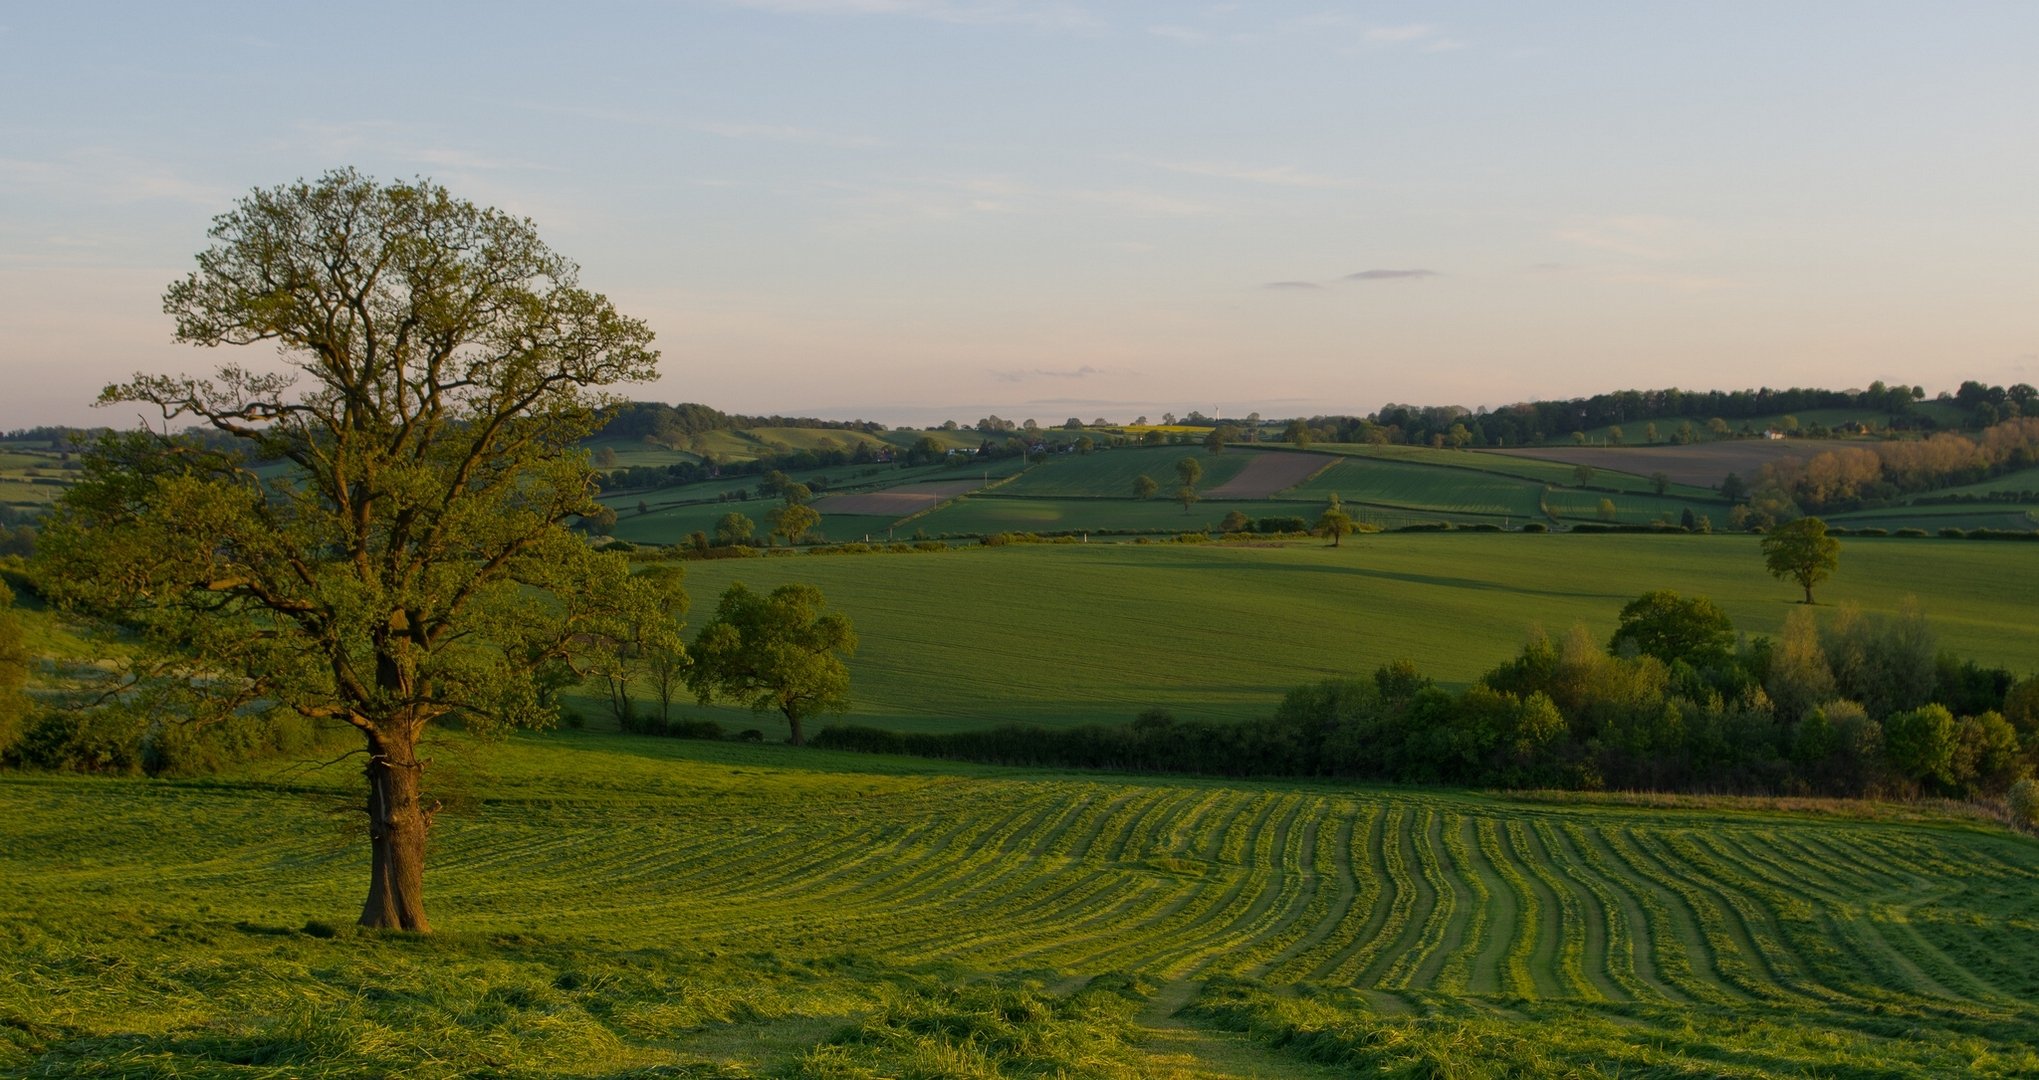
(1801, 551)
(411, 563)
(1671, 628)
(1334, 522)
(781, 651)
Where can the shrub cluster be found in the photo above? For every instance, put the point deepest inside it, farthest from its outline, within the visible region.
(1862, 706)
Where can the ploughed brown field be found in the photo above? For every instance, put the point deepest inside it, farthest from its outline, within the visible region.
(1699, 464)
(897, 502)
(1270, 473)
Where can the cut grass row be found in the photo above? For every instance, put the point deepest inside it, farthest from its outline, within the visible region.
(1402, 899)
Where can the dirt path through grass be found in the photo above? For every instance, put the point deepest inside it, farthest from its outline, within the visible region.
(1177, 1048)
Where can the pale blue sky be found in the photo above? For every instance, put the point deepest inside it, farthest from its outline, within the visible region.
(916, 209)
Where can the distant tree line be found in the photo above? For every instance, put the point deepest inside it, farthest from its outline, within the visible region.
(1688, 415)
(676, 425)
(1857, 477)
(1865, 705)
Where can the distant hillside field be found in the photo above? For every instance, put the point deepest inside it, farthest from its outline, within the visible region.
(1699, 464)
(1069, 634)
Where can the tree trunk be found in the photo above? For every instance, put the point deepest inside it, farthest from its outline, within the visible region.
(793, 723)
(396, 834)
(1808, 594)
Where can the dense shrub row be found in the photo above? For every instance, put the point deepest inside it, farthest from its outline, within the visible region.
(1863, 706)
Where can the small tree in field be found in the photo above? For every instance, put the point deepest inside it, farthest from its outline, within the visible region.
(1802, 551)
(1189, 471)
(1334, 522)
(411, 562)
(780, 651)
(1144, 487)
(734, 528)
(1187, 496)
(793, 521)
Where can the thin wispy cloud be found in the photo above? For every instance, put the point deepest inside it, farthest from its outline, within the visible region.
(1640, 236)
(1391, 275)
(1424, 36)
(1016, 376)
(1272, 175)
(1046, 16)
(785, 133)
(953, 198)
(106, 174)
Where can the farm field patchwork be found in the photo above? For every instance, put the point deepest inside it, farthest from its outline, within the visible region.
(895, 502)
(1110, 474)
(1423, 487)
(1093, 633)
(1702, 465)
(612, 905)
(1267, 475)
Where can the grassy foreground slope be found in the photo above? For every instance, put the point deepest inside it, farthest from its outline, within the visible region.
(1076, 633)
(615, 906)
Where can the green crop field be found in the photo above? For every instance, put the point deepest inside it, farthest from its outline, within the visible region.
(1456, 491)
(1110, 474)
(2021, 517)
(2021, 480)
(1077, 633)
(1634, 508)
(1488, 461)
(615, 906)
(996, 512)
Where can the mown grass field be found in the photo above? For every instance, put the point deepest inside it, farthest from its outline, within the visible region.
(613, 906)
(1079, 633)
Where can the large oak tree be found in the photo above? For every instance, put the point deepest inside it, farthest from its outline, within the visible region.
(373, 529)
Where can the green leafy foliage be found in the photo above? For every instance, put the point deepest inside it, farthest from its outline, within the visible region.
(408, 560)
(1801, 551)
(781, 651)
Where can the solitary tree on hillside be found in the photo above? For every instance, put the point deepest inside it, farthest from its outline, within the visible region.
(1189, 471)
(1144, 487)
(412, 562)
(1803, 552)
(1334, 522)
(734, 528)
(793, 521)
(775, 652)
(1187, 496)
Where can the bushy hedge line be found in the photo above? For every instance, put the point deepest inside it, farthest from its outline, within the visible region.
(1861, 706)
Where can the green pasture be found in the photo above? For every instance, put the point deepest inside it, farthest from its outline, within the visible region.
(636, 452)
(997, 511)
(612, 906)
(1110, 474)
(1423, 487)
(1488, 461)
(2021, 480)
(671, 525)
(2023, 517)
(1632, 508)
(1093, 633)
